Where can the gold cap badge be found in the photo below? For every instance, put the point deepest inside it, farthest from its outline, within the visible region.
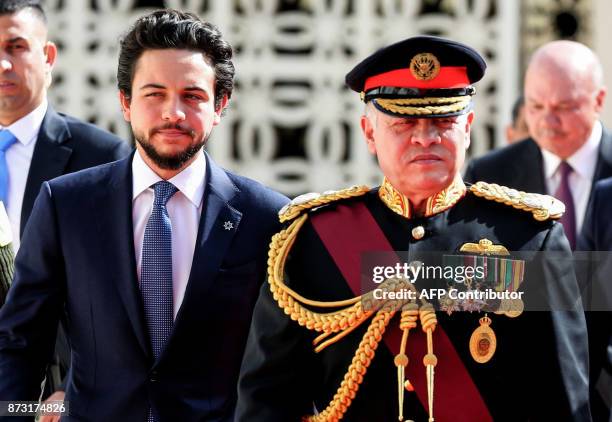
(424, 66)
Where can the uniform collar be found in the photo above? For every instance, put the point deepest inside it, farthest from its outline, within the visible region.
(443, 200)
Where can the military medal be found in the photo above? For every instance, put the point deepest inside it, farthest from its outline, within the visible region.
(514, 308)
(483, 341)
(511, 307)
(448, 305)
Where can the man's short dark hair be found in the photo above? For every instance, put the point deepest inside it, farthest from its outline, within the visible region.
(8, 7)
(516, 109)
(164, 29)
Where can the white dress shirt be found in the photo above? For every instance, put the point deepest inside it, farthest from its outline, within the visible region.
(18, 160)
(583, 163)
(184, 208)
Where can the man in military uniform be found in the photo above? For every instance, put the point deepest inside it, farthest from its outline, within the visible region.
(321, 347)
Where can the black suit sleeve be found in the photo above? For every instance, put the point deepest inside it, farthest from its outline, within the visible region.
(275, 374)
(29, 318)
(596, 243)
(470, 176)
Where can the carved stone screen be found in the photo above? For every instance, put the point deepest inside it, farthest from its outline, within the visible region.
(292, 123)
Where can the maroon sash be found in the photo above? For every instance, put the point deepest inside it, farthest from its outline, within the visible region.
(349, 231)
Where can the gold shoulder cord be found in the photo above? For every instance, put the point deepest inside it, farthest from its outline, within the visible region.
(354, 312)
(542, 207)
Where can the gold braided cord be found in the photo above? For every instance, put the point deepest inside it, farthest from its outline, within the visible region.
(426, 100)
(292, 303)
(391, 106)
(295, 209)
(429, 321)
(353, 377)
(343, 321)
(542, 207)
(408, 321)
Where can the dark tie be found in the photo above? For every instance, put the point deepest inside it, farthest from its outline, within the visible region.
(565, 195)
(6, 140)
(156, 272)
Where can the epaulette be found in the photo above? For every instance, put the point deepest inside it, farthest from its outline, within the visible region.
(312, 200)
(542, 207)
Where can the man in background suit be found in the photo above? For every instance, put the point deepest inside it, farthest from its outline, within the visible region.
(569, 150)
(36, 142)
(44, 143)
(596, 240)
(159, 303)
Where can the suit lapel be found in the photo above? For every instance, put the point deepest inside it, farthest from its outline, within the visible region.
(603, 168)
(218, 225)
(529, 169)
(49, 159)
(114, 217)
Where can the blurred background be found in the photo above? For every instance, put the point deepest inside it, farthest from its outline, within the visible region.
(292, 124)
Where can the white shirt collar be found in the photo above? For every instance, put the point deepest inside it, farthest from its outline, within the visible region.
(190, 181)
(26, 129)
(582, 161)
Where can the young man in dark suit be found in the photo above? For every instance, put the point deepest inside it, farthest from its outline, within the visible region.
(158, 303)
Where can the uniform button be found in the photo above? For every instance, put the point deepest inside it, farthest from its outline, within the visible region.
(418, 232)
(153, 376)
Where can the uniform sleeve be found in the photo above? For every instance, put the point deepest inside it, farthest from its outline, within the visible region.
(567, 360)
(274, 383)
(29, 318)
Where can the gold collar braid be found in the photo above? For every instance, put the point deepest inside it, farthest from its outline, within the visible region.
(341, 322)
(443, 200)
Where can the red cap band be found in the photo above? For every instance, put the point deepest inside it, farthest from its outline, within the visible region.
(449, 77)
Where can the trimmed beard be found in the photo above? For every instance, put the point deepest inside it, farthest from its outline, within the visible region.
(171, 162)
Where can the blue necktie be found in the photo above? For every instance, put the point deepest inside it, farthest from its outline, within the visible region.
(6, 140)
(156, 272)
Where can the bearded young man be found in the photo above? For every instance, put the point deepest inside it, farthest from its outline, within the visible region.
(154, 261)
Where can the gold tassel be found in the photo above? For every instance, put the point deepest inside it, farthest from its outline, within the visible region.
(428, 322)
(410, 315)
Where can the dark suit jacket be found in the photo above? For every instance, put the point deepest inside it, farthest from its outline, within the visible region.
(596, 240)
(77, 263)
(66, 145)
(520, 166)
